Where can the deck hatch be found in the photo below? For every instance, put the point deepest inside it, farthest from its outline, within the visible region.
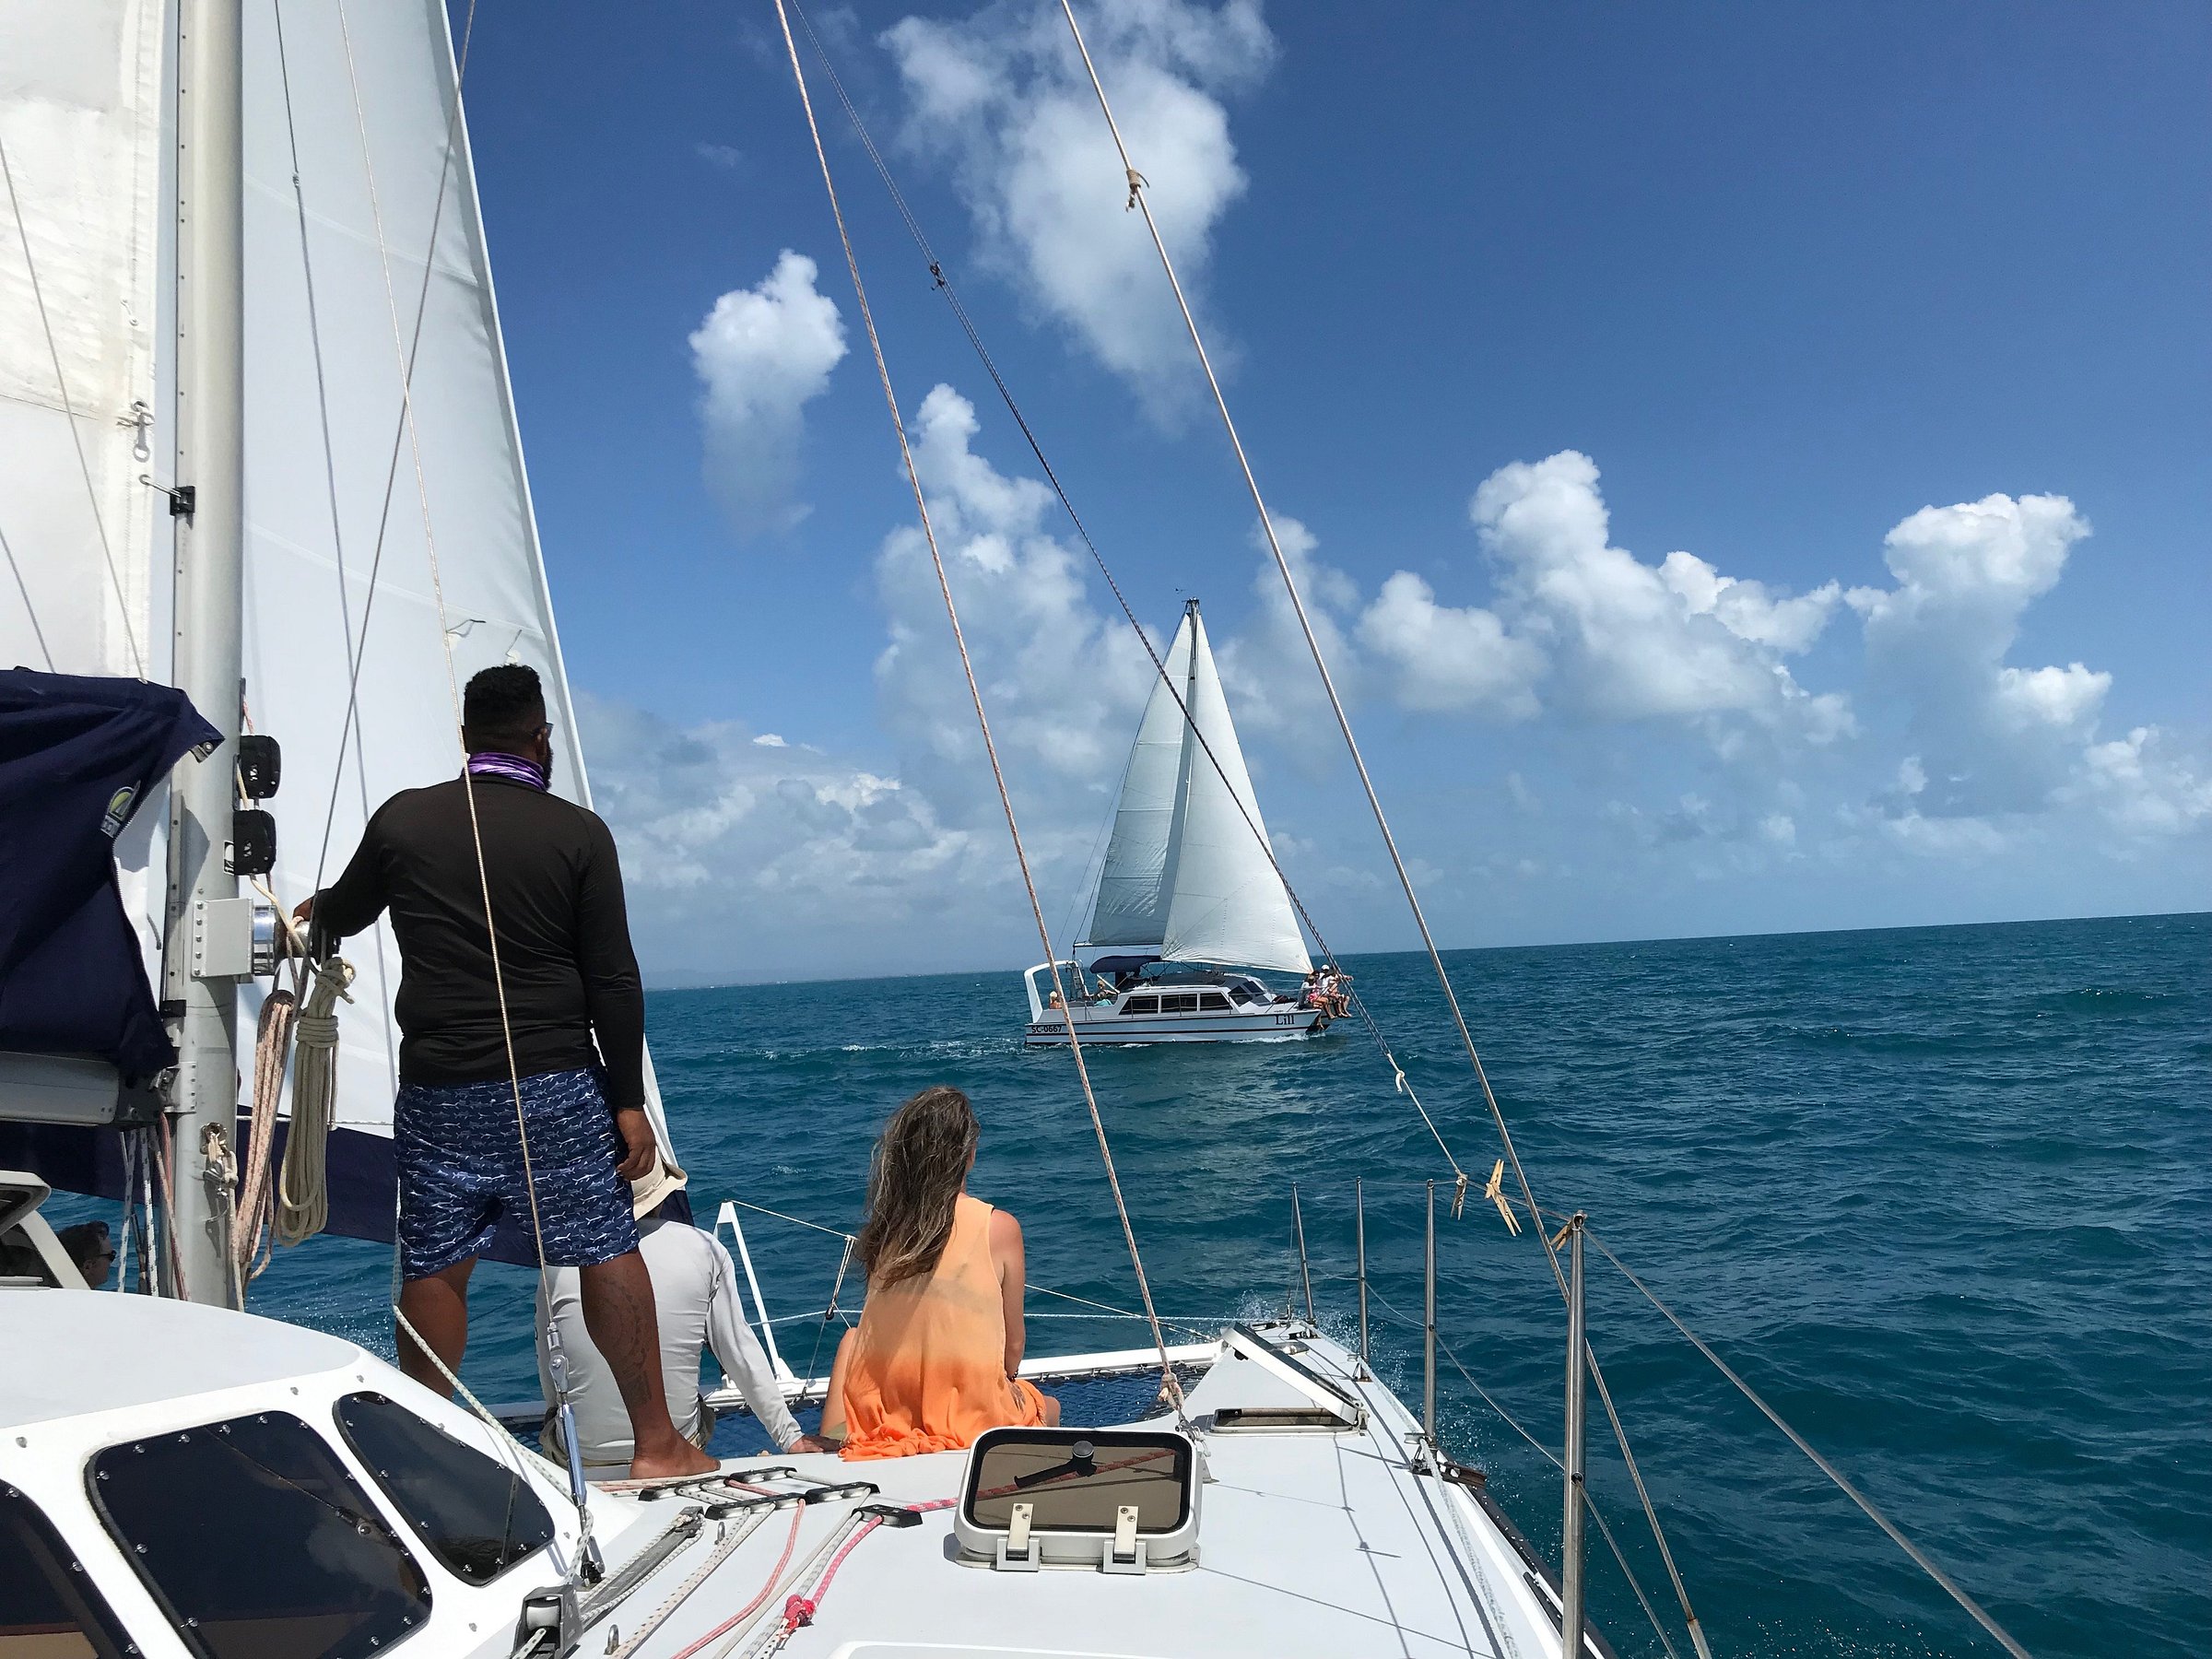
(1038, 1497)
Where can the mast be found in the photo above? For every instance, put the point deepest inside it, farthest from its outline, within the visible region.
(209, 585)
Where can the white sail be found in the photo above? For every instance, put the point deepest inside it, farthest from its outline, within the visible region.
(84, 133)
(1225, 902)
(1188, 874)
(340, 524)
(81, 129)
(1132, 907)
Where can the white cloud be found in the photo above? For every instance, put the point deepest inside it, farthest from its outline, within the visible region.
(1450, 658)
(1268, 669)
(1004, 96)
(1629, 640)
(1062, 683)
(762, 354)
(723, 156)
(1997, 741)
(778, 858)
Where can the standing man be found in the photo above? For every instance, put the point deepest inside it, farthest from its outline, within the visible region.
(467, 1157)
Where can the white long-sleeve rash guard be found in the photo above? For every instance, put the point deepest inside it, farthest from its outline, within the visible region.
(695, 1294)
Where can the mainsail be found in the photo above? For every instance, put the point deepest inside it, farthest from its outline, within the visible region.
(364, 251)
(83, 135)
(1189, 875)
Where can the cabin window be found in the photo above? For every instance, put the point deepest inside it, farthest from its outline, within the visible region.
(477, 1516)
(49, 1606)
(1179, 1002)
(1214, 1001)
(1141, 1004)
(257, 1544)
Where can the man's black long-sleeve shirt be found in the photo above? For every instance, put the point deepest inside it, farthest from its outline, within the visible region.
(564, 935)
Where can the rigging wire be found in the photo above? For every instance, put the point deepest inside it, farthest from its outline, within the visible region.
(30, 609)
(1169, 1384)
(1896, 1536)
(1137, 200)
(61, 382)
(944, 284)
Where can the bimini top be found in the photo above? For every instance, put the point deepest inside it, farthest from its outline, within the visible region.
(72, 1353)
(1122, 964)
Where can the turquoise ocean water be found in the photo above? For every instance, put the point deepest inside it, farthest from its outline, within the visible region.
(1941, 1195)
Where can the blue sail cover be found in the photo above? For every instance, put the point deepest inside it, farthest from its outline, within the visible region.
(77, 756)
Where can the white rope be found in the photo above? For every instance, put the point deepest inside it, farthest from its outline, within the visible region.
(303, 1184)
(1173, 1386)
(84, 465)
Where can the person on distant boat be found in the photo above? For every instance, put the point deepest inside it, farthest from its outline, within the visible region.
(527, 1107)
(935, 1358)
(695, 1294)
(1308, 995)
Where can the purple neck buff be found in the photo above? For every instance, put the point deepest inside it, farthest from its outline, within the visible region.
(516, 769)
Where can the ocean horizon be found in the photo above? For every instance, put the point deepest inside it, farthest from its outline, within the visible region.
(678, 978)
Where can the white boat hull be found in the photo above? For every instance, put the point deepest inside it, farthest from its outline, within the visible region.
(1103, 1024)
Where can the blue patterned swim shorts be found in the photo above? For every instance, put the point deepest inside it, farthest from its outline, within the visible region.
(461, 1170)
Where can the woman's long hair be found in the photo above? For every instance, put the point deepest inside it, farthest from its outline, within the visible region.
(920, 1166)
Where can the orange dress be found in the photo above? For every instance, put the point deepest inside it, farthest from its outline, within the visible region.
(927, 1371)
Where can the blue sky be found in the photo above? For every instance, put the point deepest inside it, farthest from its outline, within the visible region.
(1751, 287)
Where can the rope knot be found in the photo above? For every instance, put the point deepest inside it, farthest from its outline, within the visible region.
(1136, 181)
(316, 1031)
(798, 1611)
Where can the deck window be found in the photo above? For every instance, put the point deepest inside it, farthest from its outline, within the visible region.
(1141, 1004)
(1214, 1001)
(49, 1606)
(257, 1544)
(477, 1516)
(1179, 1002)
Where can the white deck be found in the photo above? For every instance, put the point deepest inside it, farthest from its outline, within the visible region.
(1310, 1543)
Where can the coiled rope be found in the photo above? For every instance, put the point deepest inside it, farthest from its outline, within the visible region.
(1170, 1385)
(302, 1185)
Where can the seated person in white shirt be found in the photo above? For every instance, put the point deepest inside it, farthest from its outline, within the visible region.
(695, 1294)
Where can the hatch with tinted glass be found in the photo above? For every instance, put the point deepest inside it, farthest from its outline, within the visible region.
(256, 1542)
(477, 1516)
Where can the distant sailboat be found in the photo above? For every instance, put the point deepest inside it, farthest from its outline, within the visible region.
(1189, 886)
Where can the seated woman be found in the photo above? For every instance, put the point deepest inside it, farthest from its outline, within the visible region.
(932, 1363)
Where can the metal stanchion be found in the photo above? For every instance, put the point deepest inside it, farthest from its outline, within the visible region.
(1359, 1231)
(1429, 1334)
(1571, 1538)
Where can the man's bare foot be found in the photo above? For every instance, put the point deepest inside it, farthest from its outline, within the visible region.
(683, 1458)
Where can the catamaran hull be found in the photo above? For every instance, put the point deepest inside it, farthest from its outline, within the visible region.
(1283, 1025)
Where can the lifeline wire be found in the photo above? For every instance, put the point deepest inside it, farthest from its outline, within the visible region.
(1160, 668)
(1173, 1386)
